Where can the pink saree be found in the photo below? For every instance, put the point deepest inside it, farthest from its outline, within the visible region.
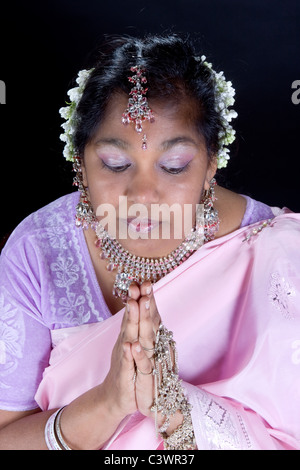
(234, 310)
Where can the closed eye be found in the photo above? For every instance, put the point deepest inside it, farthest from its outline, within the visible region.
(116, 168)
(175, 171)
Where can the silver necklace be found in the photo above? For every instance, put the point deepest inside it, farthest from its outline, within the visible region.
(135, 268)
(132, 268)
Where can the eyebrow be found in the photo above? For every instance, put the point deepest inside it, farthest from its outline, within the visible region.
(168, 144)
(119, 143)
(165, 145)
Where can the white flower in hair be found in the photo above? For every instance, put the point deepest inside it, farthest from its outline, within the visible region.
(69, 114)
(74, 94)
(224, 98)
(82, 77)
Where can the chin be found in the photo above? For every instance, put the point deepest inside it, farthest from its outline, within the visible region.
(150, 248)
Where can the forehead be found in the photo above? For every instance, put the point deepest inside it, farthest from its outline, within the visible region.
(171, 119)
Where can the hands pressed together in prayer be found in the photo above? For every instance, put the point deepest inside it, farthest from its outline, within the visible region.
(130, 382)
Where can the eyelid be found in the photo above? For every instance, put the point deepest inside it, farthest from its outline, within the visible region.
(176, 170)
(175, 163)
(116, 160)
(115, 168)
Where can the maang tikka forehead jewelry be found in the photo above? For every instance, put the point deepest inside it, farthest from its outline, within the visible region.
(138, 109)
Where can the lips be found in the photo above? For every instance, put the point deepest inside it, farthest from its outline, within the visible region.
(145, 225)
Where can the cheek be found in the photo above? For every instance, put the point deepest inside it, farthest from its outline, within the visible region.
(186, 192)
(183, 199)
(102, 190)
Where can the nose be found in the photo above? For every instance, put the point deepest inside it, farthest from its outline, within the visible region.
(143, 188)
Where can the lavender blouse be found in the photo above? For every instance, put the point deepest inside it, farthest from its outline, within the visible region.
(47, 281)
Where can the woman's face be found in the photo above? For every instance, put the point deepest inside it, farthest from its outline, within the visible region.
(151, 194)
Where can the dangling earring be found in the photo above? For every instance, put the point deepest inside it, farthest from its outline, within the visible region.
(211, 218)
(85, 215)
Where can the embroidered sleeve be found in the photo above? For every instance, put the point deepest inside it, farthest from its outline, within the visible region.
(25, 342)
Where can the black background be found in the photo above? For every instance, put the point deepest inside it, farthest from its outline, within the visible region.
(44, 44)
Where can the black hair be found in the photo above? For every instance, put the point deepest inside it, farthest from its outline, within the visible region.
(173, 72)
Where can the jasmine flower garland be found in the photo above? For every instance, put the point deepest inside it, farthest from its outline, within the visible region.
(69, 114)
(224, 97)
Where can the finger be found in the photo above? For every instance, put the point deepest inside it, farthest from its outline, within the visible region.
(128, 360)
(143, 363)
(134, 291)
(146, 327)
(144, 384)
(127, 354)
(147, 293)
(130, 323)
(149, 318)
(146, 288)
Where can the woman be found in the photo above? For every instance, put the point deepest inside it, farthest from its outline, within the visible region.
(146, 129)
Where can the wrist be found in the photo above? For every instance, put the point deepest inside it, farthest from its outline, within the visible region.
(113, 408)
(89, 421)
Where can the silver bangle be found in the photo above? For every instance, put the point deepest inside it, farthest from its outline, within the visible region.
(53, 436)
(50, 437)
(58, 431)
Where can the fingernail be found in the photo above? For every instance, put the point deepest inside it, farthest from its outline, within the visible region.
(129, 293)
(138, 348)
(127, 307)
(148, 290)
(147, 304)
